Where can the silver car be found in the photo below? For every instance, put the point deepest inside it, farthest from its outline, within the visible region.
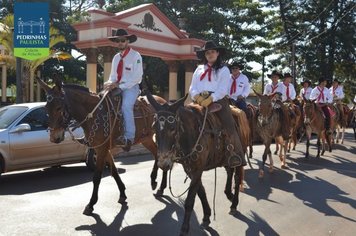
(24, 140)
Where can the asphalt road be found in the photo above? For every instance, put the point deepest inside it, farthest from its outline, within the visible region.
(311, 197)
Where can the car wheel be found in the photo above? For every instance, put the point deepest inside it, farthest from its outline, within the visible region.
(90, 160)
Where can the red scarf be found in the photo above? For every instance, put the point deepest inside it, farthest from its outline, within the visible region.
(321, 95)
(233, 85)
(287, 92)
(120, 66)
(274, 87)
(207, 71)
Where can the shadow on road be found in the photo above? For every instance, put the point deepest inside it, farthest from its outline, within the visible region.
(256, 225)
(163, 223)
(46, 179)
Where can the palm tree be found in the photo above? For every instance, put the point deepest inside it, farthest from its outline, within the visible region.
(29, 67)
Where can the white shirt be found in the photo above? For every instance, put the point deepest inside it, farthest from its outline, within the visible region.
(305, 92)
(337, 93)
(292, 92)
(355, 98)
(270, 88)
(219, 83)
(132, 69)
(242, 86)
(316, 94)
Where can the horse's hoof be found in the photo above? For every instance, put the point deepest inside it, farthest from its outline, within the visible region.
(261, 173)
(205, 224)
(159, 193)
(88, 211)
(242, 188)
(275, 152)
(271, 170)
(122, 200)
(229, 195)
(154, 185)
(284, 166)
(281, 158)
(233, 212)
(293, 149)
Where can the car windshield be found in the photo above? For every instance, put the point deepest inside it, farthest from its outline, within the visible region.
(9, 115)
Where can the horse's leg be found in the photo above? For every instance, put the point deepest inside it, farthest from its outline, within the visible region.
(284, 155)
(189, 202)
(318, 144)
(308, 136)
(239, 176)
(270, 160)
(100, 163)
(151, 146)
(227, 191)
(277, 147)
(343, 134)
(120, 184)
(264, 158)
(205, 204)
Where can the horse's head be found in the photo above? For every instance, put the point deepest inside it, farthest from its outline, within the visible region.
(58, 117)
(308, 110)
(265, 105)
(165, 125)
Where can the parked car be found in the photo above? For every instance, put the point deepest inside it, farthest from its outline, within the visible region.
(24, 140)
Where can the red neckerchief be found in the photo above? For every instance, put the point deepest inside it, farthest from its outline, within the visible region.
(321, 95)
(334, 90)
(287, 92)
(274, 87)
(233, 85)
(207, 71)
(120, 66)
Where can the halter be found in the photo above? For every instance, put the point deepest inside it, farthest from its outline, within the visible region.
(65, 114)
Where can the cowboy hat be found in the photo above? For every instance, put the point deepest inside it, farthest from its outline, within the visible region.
(305, 81)
(210, 45)
(275, 73)
(336, 80)
(121, 33)
(237, 64)
(287, 75)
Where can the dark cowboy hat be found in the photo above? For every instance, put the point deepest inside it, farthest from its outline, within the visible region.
(121, 33)
(321, 79)
(240, 65)
(305, 81)
(210, 45)
(336, 80)
(275, 73)
(287, 75)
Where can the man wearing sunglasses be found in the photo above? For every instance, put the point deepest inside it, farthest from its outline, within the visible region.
(239, 86)
(126, 74)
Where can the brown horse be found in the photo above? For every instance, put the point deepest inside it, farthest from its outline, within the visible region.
(314, 123)
(184, 136)
(270, 121)
(342, 111)
(101, 121)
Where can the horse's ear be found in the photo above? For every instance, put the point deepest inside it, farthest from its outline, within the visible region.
(57, 81)
(43, 85)
(152, 100)
(257, 93)
(178, 103)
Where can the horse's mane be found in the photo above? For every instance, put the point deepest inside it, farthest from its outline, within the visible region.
(76, 87)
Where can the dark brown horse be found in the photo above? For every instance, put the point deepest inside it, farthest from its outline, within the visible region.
(101, 121)
(270, 121)
(182, 136)
(314, 123)
(342, 111)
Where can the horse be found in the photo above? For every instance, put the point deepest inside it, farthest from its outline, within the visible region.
(187, 136)
(101, 120)
(352, 119)
(270, 121)
(314, 123)
(342, 111)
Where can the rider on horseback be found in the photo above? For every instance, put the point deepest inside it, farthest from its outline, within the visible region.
(126, 74)
(337, 93)
(210, 83)
(239, 86)
(322, 97)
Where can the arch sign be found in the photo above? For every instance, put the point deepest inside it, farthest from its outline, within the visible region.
(31, 30)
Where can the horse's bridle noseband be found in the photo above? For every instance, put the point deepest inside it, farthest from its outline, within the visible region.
(65, 114)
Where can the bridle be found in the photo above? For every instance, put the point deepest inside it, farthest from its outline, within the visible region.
(64, 113)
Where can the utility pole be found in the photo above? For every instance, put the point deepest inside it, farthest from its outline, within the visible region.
(263, 73)
(19, 94)
(294, 66)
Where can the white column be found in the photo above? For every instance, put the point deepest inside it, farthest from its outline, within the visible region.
(91, 76)
(38, 88)
(173, 78)
(3, 83)
(107, 70)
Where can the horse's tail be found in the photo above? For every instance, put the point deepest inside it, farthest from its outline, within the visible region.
(243, 126)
